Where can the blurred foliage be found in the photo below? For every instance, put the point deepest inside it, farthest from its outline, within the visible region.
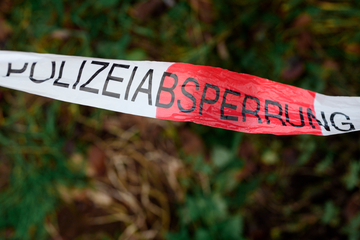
(212, 208)
(73, 172)
(33, 139)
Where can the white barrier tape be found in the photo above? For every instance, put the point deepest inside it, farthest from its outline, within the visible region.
(182, 92)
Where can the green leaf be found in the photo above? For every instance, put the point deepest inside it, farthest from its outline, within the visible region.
(106, 3)
(201, 165)
(330, 212)
(324, 164)
(136, 55)
(181, 235)
(221, 156)
(352, 228)
(202, 234)
(352, 178)
(232, 228)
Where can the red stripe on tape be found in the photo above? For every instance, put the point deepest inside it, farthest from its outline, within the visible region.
(220, 98)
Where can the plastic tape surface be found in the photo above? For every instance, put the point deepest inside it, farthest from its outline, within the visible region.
(181, 92)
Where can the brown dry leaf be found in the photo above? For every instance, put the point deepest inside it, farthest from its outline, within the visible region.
(139, 179)
(330, 64)
(147, 9)
(222, 50)
(246, 171)
(5, 171)
(61, 34)
(352, 48)
(247, 151)
(191, 143)
(289, 156)
(304, 39)
(194, 35)
(5, 6)
(204, 8)
(302, 20)
(71, 194)
(73, 221)
(96, 158)
(352, 207)
(329, 67)
(142, 181)
(294, 69)
(5, 30)
(304, 43)
(100, 198)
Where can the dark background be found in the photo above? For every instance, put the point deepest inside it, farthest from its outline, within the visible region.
(75, 172)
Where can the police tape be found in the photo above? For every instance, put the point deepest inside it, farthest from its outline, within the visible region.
(182, 92)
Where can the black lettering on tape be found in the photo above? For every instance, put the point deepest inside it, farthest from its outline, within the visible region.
(332, 116)
(145, 90)
(277, 116)
(79, 74)
(301, 117)
(110, 77)
(53, 64)
(10, 70)
(130, 82)
(326, 126)
(224, 104)
(209, 101)
(93, 90)
(248, 111)
(56, 82)
(312, 116)
(189, 95)
(166, 89)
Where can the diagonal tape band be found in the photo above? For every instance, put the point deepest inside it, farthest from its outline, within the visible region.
(181, 92)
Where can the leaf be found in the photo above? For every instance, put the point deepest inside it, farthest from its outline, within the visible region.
(96, 158)
(201, 165)
(147, 9)
(353, 228)
(221, 156)
(330, 212)
(202, 234)
(181, 235)
(294, 69)
(322, 166)
(106, 3)
(5, 29)
(191, 211)
(226, 181)
(270, 157)
(232, 228)
(136, 55)
(352, 178)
